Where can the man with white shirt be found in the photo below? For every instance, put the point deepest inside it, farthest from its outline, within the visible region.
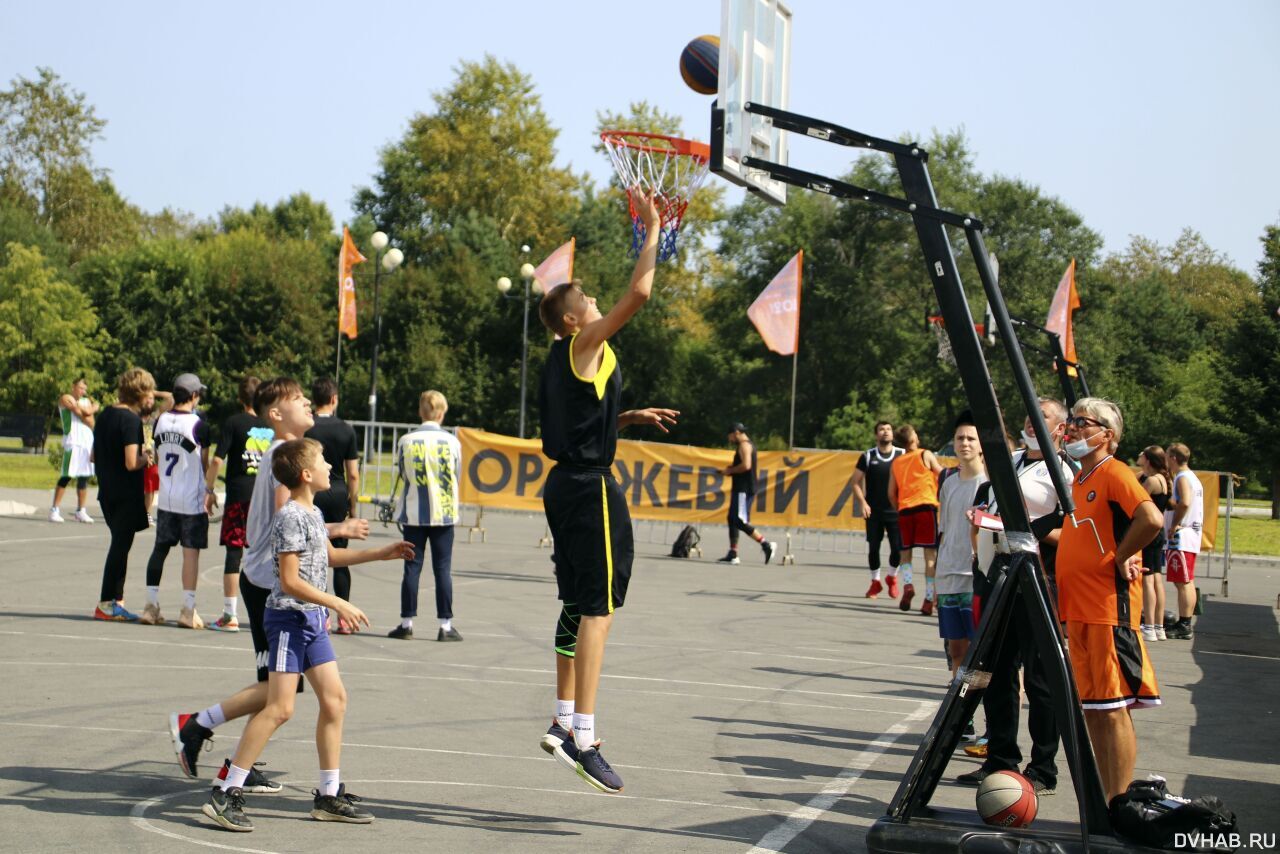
(76, 411)
(429, 465)
(1183, 524)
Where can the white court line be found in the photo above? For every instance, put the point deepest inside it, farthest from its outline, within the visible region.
(137, 817)
(800, 819)
(934, 668)
(48, 539)
(1239, 655)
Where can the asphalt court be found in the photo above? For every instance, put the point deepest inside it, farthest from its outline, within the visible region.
(749, 707)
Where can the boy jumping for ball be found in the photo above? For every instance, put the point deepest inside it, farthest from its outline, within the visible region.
(586, 510)
(298, 639)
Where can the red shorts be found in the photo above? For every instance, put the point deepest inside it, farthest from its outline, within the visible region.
(1180, 567)
(233, 519)
(151, 479)
(918, 527)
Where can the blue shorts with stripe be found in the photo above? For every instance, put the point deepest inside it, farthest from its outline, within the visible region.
(297, 640)
(591, 525)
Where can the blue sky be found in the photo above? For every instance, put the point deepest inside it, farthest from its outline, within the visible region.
(1146, 117)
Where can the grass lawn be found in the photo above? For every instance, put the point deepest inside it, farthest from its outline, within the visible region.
(1253, 536)
(25, 471)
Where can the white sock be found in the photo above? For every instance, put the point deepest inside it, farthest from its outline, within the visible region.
(584, 730)
(893, 572)
(189, 599)
(875, 575)
(329, 782)
(564, 713)
(235, 778)
(905, 572)
(446, 624)
(406, 623)
(153, 595)
(212, 717)
(229, 605)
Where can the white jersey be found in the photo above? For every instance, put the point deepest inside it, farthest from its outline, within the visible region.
(180, 437)
(1038, 496)
(1188, 538)
(75, 433)
(429, 462)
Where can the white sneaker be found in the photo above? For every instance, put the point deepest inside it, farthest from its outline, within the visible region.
(82, 515)
(55, 515)
(1149, 633)
(1160, 635)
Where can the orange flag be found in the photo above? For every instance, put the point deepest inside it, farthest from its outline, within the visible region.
(558, 268)
(1065, 301)
(776, 312)
(347, 258)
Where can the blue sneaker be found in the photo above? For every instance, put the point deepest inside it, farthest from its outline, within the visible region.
(592, 768)
(559, 743)
(117, 614)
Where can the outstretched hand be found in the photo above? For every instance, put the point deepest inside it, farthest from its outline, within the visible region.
(645, 206)
(655, 416)
(397, 551)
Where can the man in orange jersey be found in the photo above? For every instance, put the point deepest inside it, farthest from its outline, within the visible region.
(913, 489)
(1100, 589)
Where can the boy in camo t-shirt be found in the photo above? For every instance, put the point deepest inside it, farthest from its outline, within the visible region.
(298, 640)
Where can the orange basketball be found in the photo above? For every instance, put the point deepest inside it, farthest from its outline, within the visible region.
(1006, 799)
(700, 64)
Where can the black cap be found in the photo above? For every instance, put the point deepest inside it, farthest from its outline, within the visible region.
(737, 427)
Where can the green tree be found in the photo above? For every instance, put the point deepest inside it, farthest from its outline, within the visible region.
(49, 333)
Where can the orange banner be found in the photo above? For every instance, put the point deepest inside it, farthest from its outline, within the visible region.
(348, 257)
(776, 312)
(1065, 302)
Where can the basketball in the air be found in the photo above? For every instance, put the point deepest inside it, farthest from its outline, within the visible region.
(1006, 799)
(700, 64)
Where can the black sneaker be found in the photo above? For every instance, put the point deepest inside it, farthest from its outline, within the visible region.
(401, 633)
(339, 807)
(1180, 631)
(768, 548)
(189, 738)
(449, 634)
(559, 743)
(973, 778)
(227, 810)
(592, 768)
(256, 783)
(730, 558)
(1042, 789)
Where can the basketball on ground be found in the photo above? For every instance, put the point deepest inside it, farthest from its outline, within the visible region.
(700, 64)
(1006, 799)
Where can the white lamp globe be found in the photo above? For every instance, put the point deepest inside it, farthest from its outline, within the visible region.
(537, 286)
(525, 249)
(394, 258)
(504, 284)
(526, 270)
(379, 240)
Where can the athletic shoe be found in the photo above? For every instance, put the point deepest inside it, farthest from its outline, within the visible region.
(401, 633)
(768, 549)
(55, 515)
(973, 778)
(892, 584)
(1042, 789)
(1149, 633)
(151, 615)
(874, 590)
(448, 635)
(343, 628)
(731, 558)
(1180, 631)
(189, 738)
(256, 783)
(339, 807)
(978, 749)
(82, 515)
(926, 609)
(908, 593)
(1161, 634)
(227, 809)
(559, 743)
(592, 768)
(225, 623)
(117, 614)
(189, 619)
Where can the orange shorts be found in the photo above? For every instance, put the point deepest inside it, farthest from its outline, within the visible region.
(1111, 667)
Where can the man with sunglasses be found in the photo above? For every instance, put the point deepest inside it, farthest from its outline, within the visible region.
(1100, 588)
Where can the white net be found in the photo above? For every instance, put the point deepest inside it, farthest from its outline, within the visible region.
(672, 169)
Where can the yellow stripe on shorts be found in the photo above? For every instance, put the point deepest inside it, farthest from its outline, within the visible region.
(608, 546)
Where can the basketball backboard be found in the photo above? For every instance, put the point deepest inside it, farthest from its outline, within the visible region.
(755, 67)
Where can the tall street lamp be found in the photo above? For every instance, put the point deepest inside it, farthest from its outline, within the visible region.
(531, 287)
(389, 261)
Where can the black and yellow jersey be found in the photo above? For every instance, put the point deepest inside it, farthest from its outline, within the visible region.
(579, 416)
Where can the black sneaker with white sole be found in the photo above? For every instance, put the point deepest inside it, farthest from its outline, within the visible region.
(730, 558)
(339, 807)
(189, 738)
(559, 743)
(593, 769)
(768, 549)
(227, 809)
(256, 783)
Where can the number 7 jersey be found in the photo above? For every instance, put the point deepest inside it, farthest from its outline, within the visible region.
(180, 437)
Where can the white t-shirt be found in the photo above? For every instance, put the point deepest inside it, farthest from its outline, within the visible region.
(1038, 496)
(955, 554)
(1190, 534)
(180, 437)
(258, 564)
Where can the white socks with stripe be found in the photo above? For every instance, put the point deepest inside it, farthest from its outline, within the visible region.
(564, 714)
(584, 730)
(235, 777)
(212, 717)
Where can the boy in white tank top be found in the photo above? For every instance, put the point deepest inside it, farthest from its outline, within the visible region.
(1184, 523)
(76, 411)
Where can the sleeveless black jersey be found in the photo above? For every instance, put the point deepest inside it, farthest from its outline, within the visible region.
(579, 416)
(745, 481)
(876, 471)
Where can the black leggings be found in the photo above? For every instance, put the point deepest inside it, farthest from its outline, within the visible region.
(81, 483)
(739, 513)
(879, 524)
(123, 524)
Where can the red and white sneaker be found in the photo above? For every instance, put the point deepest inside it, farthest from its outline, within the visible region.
(892, 584)
(908, 593)
(874, 590)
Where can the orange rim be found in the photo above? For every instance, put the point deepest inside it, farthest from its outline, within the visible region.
(641, 142)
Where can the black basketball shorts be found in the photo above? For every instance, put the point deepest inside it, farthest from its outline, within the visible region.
(589, 521)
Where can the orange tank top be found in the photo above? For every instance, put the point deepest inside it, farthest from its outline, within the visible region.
(916, 482)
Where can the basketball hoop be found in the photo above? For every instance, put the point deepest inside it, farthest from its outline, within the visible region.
(939, 328)
(670, 168)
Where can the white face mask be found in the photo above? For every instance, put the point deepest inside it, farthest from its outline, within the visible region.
(1078, 449)
(1029, 439)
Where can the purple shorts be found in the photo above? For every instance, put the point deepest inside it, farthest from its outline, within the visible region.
(297, 640)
